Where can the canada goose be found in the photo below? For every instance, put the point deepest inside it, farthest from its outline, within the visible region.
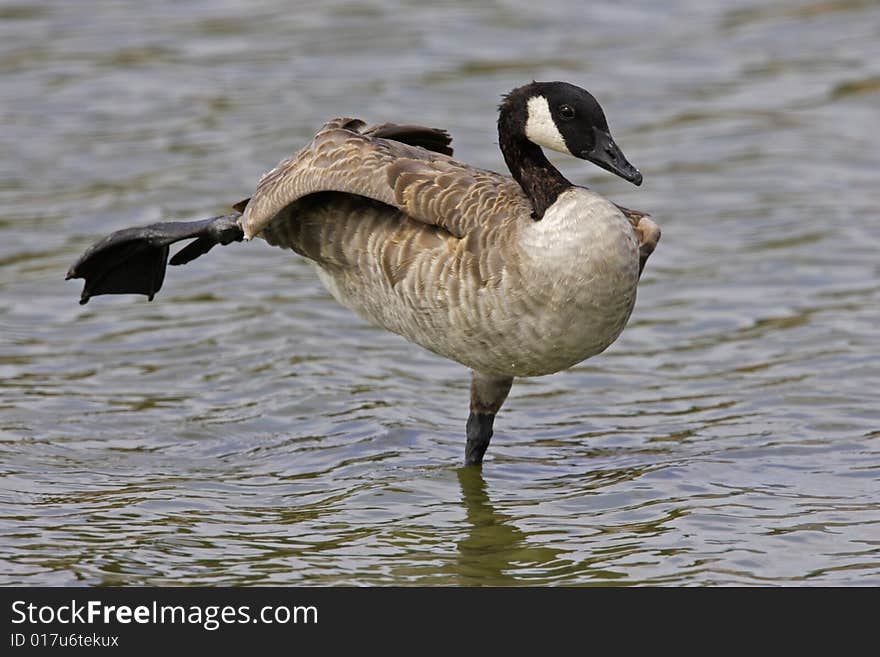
(511, 277)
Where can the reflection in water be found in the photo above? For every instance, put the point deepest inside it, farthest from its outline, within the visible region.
(494, 550)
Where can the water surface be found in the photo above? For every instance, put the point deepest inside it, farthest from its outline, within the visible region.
(244, 429)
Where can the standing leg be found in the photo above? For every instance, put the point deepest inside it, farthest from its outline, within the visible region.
(487, 395)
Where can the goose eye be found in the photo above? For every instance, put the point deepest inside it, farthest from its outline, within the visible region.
(566, 111)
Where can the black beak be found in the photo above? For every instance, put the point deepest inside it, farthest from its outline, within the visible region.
(608, 155)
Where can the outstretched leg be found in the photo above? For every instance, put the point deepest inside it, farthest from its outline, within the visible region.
(487, 395)
(132, 261)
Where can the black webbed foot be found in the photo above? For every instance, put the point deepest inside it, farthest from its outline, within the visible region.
(133, 260)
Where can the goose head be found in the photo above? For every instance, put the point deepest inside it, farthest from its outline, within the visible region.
(565, 118)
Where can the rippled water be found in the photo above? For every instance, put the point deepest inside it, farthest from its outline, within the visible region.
(244, 429)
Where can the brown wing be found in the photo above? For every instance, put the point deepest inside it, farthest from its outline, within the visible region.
(433, 139)
(429, 186)
(647, 232)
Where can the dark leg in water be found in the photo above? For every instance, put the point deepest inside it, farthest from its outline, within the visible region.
(487, 395)
(132, 261)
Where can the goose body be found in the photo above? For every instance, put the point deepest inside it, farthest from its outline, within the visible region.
(510, 276)
(542, 297)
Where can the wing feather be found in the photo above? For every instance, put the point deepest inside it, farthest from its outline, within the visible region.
(647, 232)
(429, 186)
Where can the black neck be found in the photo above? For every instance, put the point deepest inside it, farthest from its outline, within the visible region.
(540, 180)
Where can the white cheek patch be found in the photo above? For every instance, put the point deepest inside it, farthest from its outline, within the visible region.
(541, 128)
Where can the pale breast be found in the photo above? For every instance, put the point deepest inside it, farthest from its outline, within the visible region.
(577, 288)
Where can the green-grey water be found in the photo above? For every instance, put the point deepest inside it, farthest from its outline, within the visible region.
(245, 429)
